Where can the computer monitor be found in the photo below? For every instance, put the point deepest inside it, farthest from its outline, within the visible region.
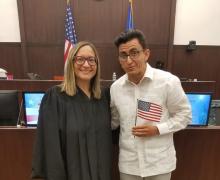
(9, 107)
(214, 116)
(200, 103)
(31, 103)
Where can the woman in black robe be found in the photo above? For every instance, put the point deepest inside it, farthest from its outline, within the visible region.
(73, 140)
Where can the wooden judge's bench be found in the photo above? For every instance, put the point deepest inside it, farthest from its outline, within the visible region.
(198, 154)
(198, 149)
(43, 85)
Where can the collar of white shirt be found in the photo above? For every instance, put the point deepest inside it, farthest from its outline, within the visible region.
(149, 72)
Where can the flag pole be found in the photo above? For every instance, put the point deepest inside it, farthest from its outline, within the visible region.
(70, 33)
(131, 1)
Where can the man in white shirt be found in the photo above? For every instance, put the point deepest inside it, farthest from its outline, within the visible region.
(149, 105)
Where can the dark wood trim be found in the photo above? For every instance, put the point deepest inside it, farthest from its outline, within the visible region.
(10, 44)
(202, 47)
(171, 36)
(23, 37)
(42, 44)
(97, 44)
(158, 46)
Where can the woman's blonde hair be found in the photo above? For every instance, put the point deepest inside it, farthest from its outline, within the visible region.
(69, 83)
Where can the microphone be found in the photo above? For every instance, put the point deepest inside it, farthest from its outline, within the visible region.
(19, 115)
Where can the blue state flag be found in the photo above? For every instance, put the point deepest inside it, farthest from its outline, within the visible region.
(130, 22)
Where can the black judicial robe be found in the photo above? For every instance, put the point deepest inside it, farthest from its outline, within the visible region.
(73, 140)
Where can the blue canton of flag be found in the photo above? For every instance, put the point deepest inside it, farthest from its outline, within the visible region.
(130, 23)
(70, 33)
(143, 106)
(149, 111)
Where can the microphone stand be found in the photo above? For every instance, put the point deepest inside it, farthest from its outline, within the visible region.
(19, 115)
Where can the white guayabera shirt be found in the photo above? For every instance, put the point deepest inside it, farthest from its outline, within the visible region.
(157, 100)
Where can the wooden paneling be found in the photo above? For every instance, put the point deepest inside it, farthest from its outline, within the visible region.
(99, 21)
(197, 154)
(108, 60)
(44, 21)
(202, 64)
(153, 18)
(16, 153)
(42, 25)
(36, 85)
(10, 58)
(45, 60)
(200, 86)
(42, 31)
(27, 85)
(158, 53)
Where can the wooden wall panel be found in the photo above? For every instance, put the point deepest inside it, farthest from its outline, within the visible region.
(100, 22)
(109, 60)
(153, 18)
(16, 153)
(10, 58)
(202, 64)
(44, 21)
(97, 21)
(47, 61)
(158, 54)
(197, 154)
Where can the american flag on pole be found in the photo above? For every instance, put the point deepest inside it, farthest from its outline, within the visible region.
(70, 33)
(149, 111)
(130, 22)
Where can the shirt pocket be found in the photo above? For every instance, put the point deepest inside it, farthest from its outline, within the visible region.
(163, 155)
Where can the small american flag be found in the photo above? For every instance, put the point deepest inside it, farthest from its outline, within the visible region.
(149, 111)
(70, 33)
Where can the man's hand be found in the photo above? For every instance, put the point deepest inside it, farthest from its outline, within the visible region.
(145, 130)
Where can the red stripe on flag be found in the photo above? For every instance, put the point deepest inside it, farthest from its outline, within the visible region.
(149, 113)
(67, 51)
(149, 118)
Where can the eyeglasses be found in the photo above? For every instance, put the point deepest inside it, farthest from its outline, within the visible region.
(80, 60)
(133, 54)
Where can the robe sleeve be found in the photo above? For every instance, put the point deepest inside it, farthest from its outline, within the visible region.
(115, 132)
(48, 162)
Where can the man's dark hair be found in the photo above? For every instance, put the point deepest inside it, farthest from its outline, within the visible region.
(129, 35)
